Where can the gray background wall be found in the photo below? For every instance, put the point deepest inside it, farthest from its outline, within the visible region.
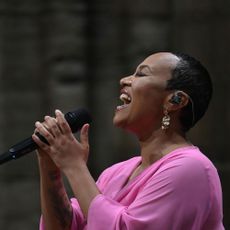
(69, 54)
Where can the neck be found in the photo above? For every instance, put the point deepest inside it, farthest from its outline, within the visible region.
(159, 144)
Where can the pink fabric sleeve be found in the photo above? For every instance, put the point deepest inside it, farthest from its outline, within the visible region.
(78, 220)
(176, 198)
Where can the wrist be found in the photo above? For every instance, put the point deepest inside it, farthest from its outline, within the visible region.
(76, 169)
(46, 164)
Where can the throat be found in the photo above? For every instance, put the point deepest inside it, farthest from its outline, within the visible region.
(137, 171)
(157, 147)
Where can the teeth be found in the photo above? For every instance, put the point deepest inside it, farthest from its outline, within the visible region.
(125, 98)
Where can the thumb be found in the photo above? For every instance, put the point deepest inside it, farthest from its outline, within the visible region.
(84, 135)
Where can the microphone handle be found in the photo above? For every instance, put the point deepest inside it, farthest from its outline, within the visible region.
(21, 149)
(5, 157)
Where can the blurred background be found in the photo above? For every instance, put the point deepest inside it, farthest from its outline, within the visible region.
(71, 54)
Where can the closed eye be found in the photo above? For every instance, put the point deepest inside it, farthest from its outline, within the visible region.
(143, 71)
(140, 74)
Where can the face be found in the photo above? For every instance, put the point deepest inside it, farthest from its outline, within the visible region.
(143, 94)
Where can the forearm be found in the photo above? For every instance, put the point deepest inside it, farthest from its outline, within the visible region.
(83, 186)
(70, 156)
(55, 204)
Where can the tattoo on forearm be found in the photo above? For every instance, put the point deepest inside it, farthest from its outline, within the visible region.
(60, 201)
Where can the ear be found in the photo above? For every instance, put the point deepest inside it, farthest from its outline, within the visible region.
(176, 101)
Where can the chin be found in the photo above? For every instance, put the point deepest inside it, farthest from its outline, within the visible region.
(119, 122)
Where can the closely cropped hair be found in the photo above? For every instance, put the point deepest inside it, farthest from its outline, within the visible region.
(192, 77)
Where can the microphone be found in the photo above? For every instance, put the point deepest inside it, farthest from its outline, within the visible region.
(76, 119)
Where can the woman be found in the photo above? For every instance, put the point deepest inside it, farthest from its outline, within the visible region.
(171, 185)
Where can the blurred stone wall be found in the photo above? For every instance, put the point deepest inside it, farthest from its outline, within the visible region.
(71, 54)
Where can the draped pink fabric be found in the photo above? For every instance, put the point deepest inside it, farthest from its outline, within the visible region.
(181, 191)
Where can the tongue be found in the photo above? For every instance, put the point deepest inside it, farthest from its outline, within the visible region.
(119, 107)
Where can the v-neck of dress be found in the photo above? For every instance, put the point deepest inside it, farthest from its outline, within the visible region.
(127, 182)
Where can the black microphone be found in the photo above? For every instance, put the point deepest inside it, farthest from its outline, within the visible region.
(76, 119)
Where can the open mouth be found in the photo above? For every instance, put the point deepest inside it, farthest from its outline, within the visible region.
(125, 98)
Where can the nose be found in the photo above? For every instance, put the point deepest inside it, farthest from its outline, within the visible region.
(126, 81)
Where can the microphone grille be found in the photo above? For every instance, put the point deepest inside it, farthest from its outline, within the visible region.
(77, 118)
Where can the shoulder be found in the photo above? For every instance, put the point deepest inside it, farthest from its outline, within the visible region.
(188, 159)
(186, 184)
(190, 173)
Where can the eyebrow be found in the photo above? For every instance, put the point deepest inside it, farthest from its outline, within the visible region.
(139, 68)
(143, 66)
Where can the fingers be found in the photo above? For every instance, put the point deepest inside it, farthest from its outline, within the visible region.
(43, 149)
(62, 148)
(53, 128)
(62, 123)
(85, 130)
(51, 125)
(42, 130)
(84, 135)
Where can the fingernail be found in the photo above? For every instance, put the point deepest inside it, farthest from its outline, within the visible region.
(87, 129)
(57, 111)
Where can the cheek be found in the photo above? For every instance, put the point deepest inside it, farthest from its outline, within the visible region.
(149, 95)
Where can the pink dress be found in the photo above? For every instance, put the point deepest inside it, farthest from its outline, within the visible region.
(181, 191)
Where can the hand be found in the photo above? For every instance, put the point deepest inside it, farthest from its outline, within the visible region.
(44, 160)
(64, 149)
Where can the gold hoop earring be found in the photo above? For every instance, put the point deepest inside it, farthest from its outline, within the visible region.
(165, 121)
